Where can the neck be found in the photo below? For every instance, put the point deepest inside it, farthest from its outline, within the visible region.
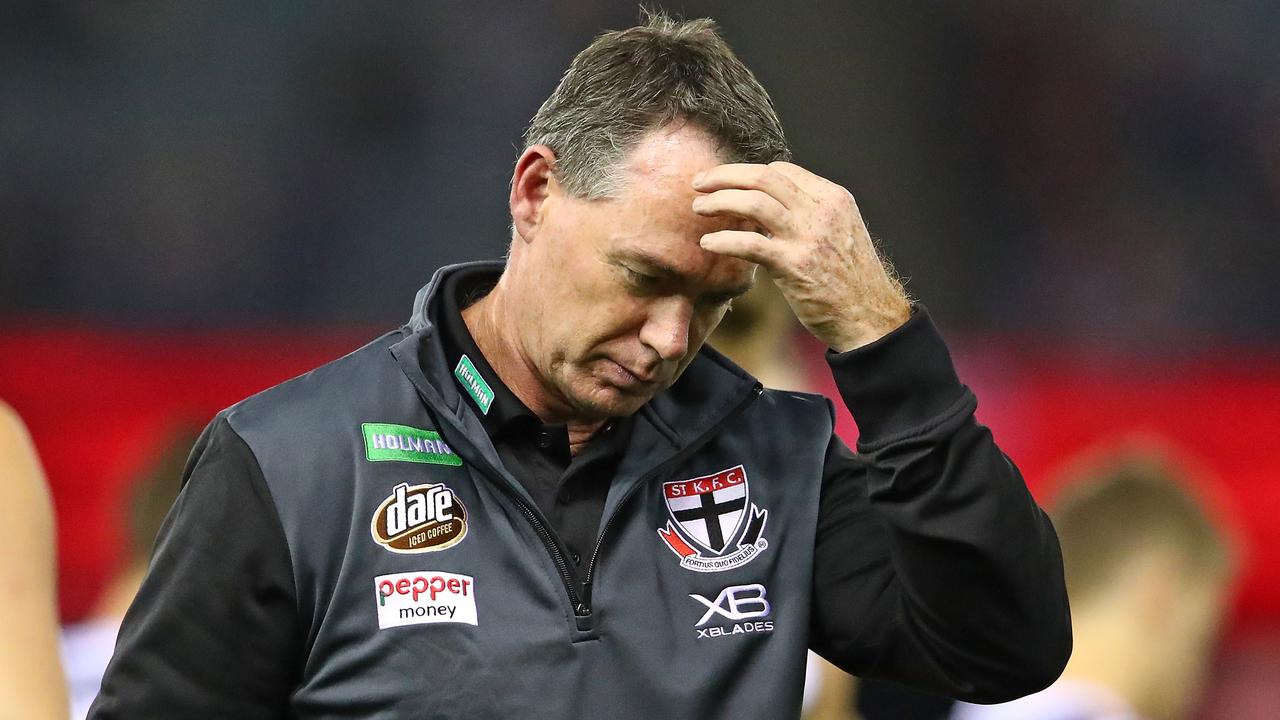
(1108, 654)
(491, 326)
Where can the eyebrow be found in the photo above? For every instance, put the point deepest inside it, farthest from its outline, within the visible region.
(661, 268)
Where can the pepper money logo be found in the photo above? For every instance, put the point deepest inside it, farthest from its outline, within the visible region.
(418, 598)
(712, 525)
(419, 518)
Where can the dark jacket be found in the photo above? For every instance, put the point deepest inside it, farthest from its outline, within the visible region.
(348, 544)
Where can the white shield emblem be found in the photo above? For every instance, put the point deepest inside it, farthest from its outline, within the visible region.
(710, 510)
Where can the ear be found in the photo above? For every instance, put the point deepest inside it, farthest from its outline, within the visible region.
(531, 184)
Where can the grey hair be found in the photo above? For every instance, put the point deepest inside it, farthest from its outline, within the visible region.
(629, 82)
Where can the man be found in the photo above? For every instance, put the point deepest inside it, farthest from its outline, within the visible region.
(543, 498)
(1149, 575)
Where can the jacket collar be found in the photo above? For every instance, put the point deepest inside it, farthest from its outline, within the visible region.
(708, 390)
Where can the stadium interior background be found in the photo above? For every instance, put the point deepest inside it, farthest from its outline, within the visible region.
(199, 200)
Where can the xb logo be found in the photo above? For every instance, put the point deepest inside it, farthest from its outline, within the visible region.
(736, 602)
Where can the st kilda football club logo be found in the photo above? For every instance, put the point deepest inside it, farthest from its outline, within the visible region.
(712, 524)
(419, 518)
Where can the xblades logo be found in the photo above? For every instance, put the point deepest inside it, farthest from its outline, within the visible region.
(735, 603)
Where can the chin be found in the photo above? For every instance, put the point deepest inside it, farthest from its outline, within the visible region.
(605, 401)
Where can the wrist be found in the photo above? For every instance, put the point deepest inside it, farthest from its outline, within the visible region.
(900, 384)
(867, 324)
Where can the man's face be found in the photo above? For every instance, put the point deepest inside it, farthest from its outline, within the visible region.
(617, 296)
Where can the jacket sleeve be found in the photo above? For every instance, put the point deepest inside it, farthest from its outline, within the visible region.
(214, 630)
(933, 565)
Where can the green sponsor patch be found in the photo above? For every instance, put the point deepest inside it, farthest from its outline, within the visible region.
(385, 441)
(475, 385)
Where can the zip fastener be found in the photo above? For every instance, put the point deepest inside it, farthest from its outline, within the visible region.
(580, 609)
(688, 449)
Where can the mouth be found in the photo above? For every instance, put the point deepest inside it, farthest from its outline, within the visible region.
(627, 379)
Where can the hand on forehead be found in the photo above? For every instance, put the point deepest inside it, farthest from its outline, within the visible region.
(660, 175)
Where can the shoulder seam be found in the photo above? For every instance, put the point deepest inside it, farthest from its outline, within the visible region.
(304, 632)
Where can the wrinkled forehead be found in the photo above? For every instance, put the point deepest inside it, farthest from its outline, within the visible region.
(651, 218)
(665, 161)
(663, 241)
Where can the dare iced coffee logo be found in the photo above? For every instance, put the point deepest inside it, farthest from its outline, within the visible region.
(427, 596)
(419, 518)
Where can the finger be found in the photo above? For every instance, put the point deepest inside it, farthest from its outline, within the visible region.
(815, 186)
(754, 205)
(795, 173)
(749, 246)
(749, 176)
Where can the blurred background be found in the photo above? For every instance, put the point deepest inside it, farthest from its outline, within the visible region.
(199, 200)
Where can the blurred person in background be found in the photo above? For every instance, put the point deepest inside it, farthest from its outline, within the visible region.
(1148, 573)
(87, 645)
(759, 335)
(31, 683)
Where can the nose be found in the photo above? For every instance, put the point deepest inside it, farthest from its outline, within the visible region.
(667, 328)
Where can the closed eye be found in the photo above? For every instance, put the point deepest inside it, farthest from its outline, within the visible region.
(641, 281)
(721, 299)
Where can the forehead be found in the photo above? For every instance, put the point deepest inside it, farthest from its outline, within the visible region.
(653, 216)
(674, 153)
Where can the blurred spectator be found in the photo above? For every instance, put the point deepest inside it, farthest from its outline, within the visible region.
(1147, 573)
(87, 645)
(758, 333)
(31, 684)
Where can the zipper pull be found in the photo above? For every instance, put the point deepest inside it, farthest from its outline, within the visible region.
(582, 617)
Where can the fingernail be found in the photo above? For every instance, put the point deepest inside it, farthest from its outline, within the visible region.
(698, 179)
